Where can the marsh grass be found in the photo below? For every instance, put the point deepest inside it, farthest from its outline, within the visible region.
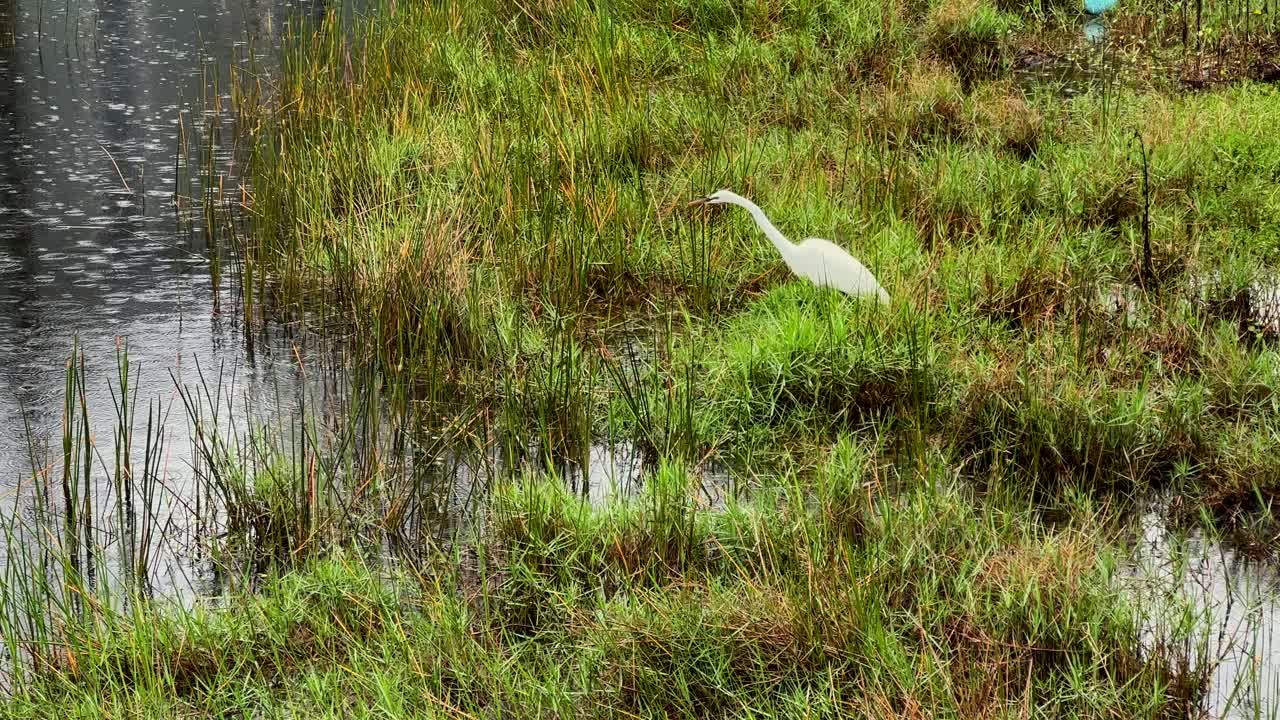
(825, 592)
(473, 199)
(657, 607)
(479, 218)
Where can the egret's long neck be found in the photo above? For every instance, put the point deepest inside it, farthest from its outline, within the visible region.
(777, 238)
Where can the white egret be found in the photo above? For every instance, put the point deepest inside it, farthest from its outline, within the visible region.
(821, 261)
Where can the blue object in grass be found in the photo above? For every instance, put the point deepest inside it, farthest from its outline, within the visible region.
(1097, 7)
(1094, 29)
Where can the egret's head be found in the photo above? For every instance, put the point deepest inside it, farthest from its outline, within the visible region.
(719, 197)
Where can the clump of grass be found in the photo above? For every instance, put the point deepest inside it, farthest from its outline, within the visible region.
(557, 394)
(1009, 119)
(269, 651)
(722, 647)
(555, 547)
(657, 413)
(928, 107)
(1046, 7)
(1056, 430)
(844, 500)
(1239, 384)
(969, 35)
(701, 653)
(1239, 490)
(1036, 294)
(802, 360)
(1117, 202)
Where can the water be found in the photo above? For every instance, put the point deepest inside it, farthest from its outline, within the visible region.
(1070, 74)
(1235, 603)
(1084, 60)
(92, 249)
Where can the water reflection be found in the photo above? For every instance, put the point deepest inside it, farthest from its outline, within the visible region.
(1234, 602)
(91, 247)
(89, 101)
(8, 29)
(1076, 67)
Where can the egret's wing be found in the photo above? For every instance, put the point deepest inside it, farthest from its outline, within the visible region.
(826, 263)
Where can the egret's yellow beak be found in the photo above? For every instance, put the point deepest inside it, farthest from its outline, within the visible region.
(699, 201)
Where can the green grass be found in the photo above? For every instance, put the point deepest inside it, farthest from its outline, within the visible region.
(487, 201)
(487, 193)
(656, 608)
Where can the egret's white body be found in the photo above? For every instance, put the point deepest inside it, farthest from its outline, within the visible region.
(821, 261)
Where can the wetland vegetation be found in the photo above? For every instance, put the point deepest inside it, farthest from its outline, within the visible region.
(919, 509)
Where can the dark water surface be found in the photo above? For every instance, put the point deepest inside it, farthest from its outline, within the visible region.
(90, 242)
(93, 249)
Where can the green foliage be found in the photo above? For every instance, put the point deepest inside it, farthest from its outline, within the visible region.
(733, 613)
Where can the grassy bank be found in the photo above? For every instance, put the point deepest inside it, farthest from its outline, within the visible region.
(486, 201)
(799, 605)
(493, 198)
